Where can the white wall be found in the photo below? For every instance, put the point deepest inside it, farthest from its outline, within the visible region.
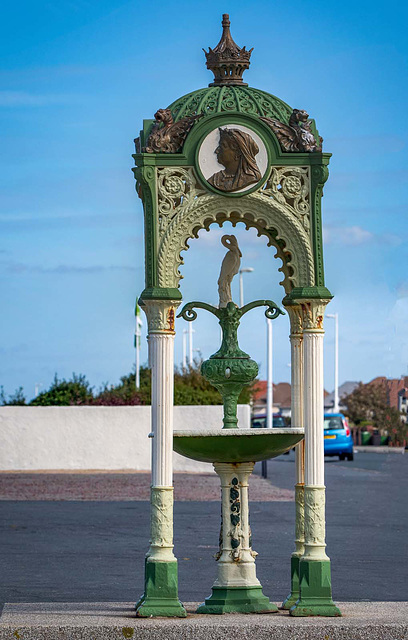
(51, 438)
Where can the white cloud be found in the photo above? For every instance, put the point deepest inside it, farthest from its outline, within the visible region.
(24, 99)
(354, 235)
(402, 290)
(19, 268)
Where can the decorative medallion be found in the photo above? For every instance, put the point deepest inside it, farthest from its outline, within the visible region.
(233, 159)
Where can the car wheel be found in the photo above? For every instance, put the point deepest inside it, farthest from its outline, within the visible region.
(342, 456)
(350, 456)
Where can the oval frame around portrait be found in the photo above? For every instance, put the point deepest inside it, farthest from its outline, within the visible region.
(207, 163)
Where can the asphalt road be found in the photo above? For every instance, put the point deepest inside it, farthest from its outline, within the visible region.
(94, 551)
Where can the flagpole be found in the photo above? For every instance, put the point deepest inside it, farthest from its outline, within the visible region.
(138, 335)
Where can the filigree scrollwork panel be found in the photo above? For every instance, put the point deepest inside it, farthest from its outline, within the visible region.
(314, 515)
(290, 186)
(177, 187)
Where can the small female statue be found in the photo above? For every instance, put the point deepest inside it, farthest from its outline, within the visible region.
(229, 268)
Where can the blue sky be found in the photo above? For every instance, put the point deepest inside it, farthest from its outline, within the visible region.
(77, 79)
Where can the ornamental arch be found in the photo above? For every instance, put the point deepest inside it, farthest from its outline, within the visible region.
(230, 152)
(284, 232)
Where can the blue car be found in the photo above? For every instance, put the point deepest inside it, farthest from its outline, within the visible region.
(337, 436)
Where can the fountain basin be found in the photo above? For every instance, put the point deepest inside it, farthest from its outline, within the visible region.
(235, 445)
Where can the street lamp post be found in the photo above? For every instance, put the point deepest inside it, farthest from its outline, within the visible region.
(190, 344)
(269, 383)
(185, 332)
(335, 316)
(241, 284)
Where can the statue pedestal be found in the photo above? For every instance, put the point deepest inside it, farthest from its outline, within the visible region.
(236, 589)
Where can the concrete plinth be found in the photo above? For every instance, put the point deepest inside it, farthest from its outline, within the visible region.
(117, 620)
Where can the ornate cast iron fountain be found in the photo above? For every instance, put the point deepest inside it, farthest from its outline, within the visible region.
(232, 152)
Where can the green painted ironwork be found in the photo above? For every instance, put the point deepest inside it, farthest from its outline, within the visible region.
(236, 447)
(315, 590)
(167, 230)
(230, 368)
(212, 100)
(178, 202)
(237, 600)
(293, 596)
(160, 597)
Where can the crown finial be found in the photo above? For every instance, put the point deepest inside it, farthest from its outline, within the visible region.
(227, 61)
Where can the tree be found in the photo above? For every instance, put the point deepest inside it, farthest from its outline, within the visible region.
(125, 393)
(368, 403)
(76, 391)
(189, 388)
(16, 399)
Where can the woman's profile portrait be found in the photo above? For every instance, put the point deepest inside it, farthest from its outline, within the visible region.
(236, 151)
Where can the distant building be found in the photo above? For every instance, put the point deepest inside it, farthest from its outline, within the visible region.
(344, 390)
(281, 398)
(396, 390)
(402, 403)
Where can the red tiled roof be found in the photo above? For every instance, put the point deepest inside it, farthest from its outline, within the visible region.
(281, 393)
(392, 386)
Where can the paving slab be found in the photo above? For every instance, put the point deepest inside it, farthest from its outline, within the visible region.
(116, 621)
(383, 449)
(97, 486)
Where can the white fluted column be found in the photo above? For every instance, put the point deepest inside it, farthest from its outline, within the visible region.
(297, 375)
(161, 348)
(160, 316)
(315, 525)
(296, 346)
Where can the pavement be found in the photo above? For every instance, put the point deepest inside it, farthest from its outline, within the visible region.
(65, 540)
(386, 450)
(124, 486)
(116, 621)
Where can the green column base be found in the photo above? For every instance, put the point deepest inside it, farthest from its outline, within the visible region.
(237, 600)
(160, 596)
(293, 597)
(315, 590)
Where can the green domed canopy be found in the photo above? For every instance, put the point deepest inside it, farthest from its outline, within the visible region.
(225, 98)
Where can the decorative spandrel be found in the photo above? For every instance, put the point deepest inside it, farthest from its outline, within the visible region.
(233, 159)
(290, 186)
(177, 189)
